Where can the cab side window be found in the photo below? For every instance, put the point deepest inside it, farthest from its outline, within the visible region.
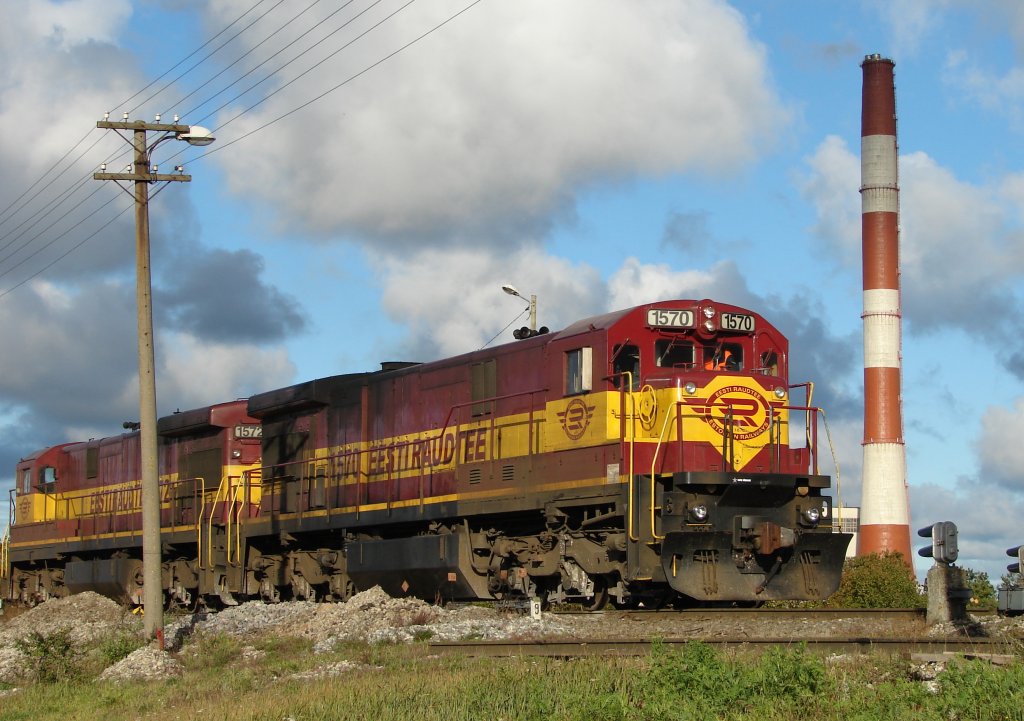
(768, 363)
(579, 365)
(47, 479)
(26, 481)
(626, 360)
(671, 353)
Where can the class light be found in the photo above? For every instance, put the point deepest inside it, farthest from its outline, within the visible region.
(780, 392)
(690, 388)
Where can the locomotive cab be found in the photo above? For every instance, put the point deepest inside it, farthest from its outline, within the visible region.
(34, 496)
(719, 503)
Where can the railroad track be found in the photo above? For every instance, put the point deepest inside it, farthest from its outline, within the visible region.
(992, 649)
(816, 614)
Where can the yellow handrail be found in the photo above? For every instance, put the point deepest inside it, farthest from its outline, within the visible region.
(632, 439)
(245, 487)
(654, 460)
(221, 494)
(199, 519)
(238, 487)
(835, 458)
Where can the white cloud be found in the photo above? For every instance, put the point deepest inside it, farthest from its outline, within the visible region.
(451, 301)
(488, 129)
(636, 282)
(196, 373)
(961, 244)
(911, 21)
(999, 447)
(832, 185)
(76, 22)
(57, 58)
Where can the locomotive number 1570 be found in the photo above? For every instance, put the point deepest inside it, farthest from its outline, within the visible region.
(737, 321)
(669, 318)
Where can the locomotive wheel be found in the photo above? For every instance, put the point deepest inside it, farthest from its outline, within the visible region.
(600, 598)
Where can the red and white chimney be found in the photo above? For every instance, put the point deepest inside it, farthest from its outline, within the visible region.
(884, 514)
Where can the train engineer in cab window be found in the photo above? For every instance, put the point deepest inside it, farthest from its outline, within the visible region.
(723, 357)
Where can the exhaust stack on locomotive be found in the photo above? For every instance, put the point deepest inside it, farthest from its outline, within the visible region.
(885, 521)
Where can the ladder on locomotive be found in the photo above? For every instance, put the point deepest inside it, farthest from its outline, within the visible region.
(220, 520)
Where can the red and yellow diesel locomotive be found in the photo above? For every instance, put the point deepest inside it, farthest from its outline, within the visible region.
(76, 508)
(642, 454)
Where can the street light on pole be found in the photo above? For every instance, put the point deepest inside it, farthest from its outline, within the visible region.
(144, 174)
(511, 290)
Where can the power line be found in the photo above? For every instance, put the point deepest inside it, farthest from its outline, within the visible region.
(68, 252)
(267, 60)
(52, 204)
(206, 57)
(184, 59)
(40, 178)
(339, 85)
(223, 145)
(54, 240)
(17, 205)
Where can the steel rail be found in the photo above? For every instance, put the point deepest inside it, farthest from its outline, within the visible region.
(811, 614)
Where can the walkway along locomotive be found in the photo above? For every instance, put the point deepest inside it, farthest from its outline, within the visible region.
(641, 454)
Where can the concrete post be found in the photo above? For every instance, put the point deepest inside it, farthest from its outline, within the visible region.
(947, 595)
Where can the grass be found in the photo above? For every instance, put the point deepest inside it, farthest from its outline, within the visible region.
(225, 679)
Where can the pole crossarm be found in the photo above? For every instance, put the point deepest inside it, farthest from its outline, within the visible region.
(142, 125)
(144, 177)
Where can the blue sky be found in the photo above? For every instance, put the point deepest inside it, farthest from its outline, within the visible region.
(596, 153)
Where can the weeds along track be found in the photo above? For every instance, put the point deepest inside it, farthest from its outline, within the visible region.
(996, 650)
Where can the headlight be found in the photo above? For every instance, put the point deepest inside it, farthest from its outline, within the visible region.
(812, 515)
(699, 513)
(709, 312)
(709, 326)
(690, 388)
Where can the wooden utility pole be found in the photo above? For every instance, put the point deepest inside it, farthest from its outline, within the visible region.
(142, 175)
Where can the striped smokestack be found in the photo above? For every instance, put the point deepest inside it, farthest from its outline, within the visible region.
(884, 515)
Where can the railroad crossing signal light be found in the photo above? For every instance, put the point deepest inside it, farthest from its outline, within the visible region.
(1018, 552)
(943, 548)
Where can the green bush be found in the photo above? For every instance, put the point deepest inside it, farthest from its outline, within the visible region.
(699, 681)
(52, 658)
(213, 651)
(983, 595)
(978, 690)
(877, 581)
(790, 673)
(118, 646)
